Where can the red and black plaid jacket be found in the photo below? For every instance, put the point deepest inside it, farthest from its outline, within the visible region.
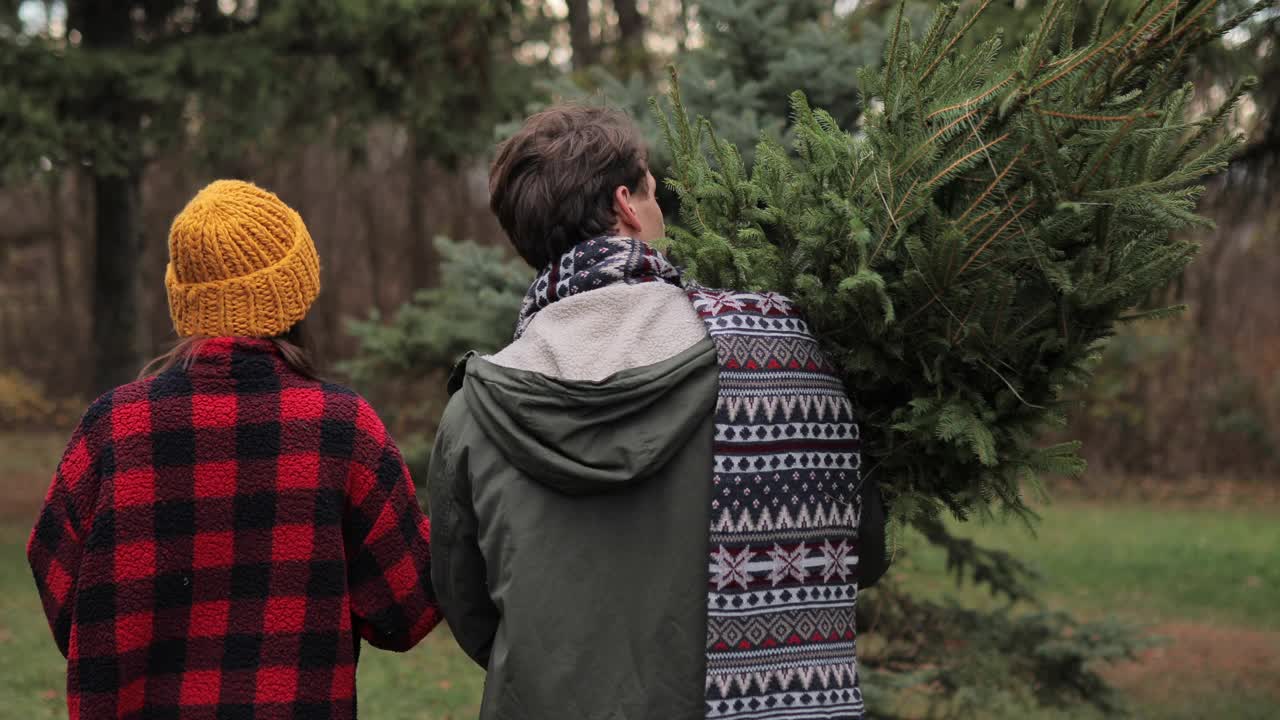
(219, 537)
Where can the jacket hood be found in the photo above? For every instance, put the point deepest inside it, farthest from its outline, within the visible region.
(592, 437)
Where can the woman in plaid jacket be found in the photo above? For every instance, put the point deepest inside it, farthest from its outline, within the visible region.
(220, 534)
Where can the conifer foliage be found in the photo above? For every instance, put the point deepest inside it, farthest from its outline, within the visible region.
(409, 354)
(966, 253)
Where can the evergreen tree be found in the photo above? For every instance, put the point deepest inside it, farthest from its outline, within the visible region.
(753, 54)
(445, 70)
(406, 355)
(964, 258)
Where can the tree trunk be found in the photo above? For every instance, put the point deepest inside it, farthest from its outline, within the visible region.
(460, 200)
(585, 52)
(423, 270)
(11, 340)
(373, 240)
(117, 227)
(61, 267)
(117, 212)
(682, 37)
(209, 14)
(631, 52)
(66, 300)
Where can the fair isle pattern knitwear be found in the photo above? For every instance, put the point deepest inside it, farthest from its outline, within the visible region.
(594, 264)
(784, 517)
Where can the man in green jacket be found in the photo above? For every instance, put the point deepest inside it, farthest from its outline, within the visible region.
(649, 504)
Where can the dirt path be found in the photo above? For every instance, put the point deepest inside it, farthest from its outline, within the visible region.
(1205, 657)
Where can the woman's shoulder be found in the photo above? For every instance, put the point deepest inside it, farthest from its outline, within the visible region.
(322, 398)
(135, 396)
(342, 404)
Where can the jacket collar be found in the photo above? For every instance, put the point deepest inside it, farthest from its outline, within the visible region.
(236, 357)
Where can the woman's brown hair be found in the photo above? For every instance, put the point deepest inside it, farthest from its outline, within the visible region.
(294, 347)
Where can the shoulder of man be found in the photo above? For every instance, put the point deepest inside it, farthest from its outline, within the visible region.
(456, 423)
(458, 375)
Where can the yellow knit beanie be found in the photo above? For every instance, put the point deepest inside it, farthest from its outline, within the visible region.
(240, 263)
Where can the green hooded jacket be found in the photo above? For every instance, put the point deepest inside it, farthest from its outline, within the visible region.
(581, 591)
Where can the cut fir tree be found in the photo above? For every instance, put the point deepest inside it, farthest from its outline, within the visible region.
(964, 256)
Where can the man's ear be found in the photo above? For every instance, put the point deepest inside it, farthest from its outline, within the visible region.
(627, 219)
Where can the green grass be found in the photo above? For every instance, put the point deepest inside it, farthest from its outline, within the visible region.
(27, 461)
(1206, 582)
(434, 681)
(26, 454)
(31, 670)
(1147, 564)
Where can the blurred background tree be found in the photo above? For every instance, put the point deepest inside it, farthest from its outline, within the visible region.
(409, 354)
(110, 88)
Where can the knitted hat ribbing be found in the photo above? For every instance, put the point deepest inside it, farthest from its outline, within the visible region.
(240, 263)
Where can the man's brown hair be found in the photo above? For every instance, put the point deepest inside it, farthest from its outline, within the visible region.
(551, 185)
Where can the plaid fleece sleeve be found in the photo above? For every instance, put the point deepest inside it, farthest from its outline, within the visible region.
(392, 599)
(57, 541)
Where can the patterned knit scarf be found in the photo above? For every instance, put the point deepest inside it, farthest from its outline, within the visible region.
(784, 519)
(594, 264)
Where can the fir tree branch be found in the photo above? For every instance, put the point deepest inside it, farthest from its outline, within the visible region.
(1066, 33)
(1187, 24)
(941, 21)
(1047, 23)
(891, 55)
(906, 196)
(954, 39)
(1102, 18)
(1214, 121)
(947, 170)
(1041, 274)
(1071, 67)
(996, 235)
(1141, 33)
(980, 218)
(973, 100)
(1236, 20)
(1088, 117)
(986, 193)
(892, 219)
(1012, 389)
(921, 150)
(1137, 13)
(1102, 157)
